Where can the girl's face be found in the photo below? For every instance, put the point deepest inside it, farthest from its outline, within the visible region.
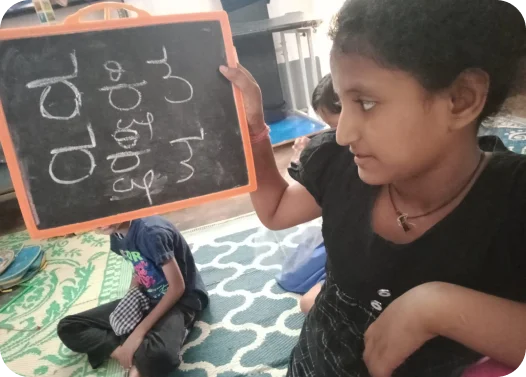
(394, 127)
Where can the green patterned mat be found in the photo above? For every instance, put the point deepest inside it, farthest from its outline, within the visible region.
(80, 274)
(249, 329)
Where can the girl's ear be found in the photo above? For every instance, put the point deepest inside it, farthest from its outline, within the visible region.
(468, 95)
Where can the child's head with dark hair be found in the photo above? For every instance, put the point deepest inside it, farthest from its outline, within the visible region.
(416, 78)
(326, 103)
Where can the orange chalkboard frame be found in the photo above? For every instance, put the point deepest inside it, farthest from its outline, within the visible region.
(74, 24)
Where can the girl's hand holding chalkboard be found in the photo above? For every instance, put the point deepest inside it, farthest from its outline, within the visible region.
(252, 99)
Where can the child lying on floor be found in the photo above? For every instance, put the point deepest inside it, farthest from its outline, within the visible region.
(145, 330)
(305, 274)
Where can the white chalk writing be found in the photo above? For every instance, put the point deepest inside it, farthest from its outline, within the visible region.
(126, 142)
(169, 75)
(126, 155)
(147, 182)
(81, 148)
(132, 87)
(114, 69)
(187, 140)
(126, 136)
(65, 80)
(122, 96)
(148, 122)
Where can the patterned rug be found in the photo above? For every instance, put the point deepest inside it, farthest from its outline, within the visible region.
(249, 329)
(511, 130)
(80, 274)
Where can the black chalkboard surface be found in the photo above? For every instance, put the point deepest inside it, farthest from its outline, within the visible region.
(114, 121)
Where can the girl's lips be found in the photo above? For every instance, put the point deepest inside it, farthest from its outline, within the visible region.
(362, 159)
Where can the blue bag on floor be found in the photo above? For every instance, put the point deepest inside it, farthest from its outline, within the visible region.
(303, 269)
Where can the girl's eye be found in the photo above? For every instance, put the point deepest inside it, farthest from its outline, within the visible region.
(368, 105)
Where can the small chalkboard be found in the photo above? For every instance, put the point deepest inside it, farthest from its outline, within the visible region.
(108, 121)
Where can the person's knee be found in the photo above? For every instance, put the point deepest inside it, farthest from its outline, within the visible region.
(308, 300)
(72, 333)
(157, 362)
(63, 328)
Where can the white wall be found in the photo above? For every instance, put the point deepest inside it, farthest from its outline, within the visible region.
(277, 8)
(326, 10)
(31, 19)
(176, 6)
(318, 9)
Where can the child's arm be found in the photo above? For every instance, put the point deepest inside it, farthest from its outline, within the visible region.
(134, 282)
(277, 204)
(298, 147)
(175, 291)
(490, 325)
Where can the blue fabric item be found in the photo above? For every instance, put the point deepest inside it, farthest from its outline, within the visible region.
(294, 126)
(303, 270)
(148, 245)
(22, 263)
(33, 269)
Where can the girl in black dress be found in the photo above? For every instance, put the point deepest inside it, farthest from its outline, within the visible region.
(424, 223)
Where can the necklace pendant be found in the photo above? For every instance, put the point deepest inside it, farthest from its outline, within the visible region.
(403, 223)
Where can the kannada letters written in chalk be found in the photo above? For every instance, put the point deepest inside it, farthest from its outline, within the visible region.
(126, 134)
(125, 119)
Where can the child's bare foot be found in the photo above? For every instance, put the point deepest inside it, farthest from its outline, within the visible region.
(134, 372)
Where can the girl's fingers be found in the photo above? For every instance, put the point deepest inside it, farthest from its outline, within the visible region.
(243, 80)
(247, 72)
